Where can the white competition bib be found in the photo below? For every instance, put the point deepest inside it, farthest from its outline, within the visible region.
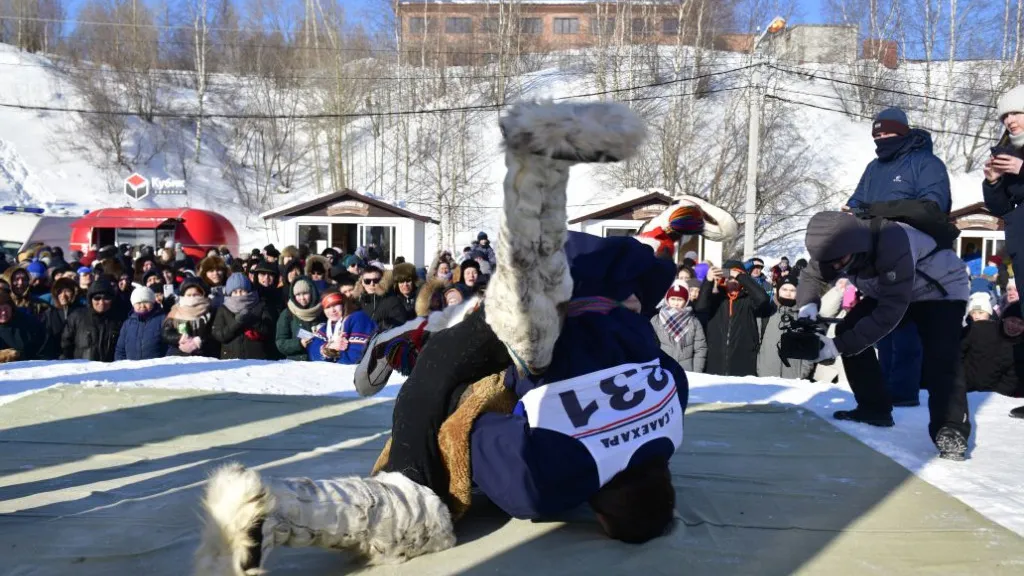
(612, 412)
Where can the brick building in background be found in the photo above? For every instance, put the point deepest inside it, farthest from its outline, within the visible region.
(469, 27)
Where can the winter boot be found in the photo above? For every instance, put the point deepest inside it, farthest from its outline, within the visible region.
(1017, 412)
(858, 415)
(531, 283)
(951, 443)
(384, 519)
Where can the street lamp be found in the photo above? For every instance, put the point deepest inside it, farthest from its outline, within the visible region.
(777, 25)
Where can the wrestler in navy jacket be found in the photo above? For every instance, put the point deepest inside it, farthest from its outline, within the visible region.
(533, 472)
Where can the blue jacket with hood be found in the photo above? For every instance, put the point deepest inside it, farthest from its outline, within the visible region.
(535, 472)
(913, 172)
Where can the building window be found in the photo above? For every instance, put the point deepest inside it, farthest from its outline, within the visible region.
(610, 232)
(670, 27)
(641, 27)
(531, 25)
(381, 238)
(458, 25)
(602, 26)
(489, 25)
(314, 237)
(419, 25)
(567, 25)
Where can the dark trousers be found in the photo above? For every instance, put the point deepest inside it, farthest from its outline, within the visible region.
(938, 325)
(899, 354)
(451, 360)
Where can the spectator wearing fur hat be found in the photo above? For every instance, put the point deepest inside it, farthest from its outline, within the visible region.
(244, 325)
(188, 328)
(346, 331)
(91, 332)
(680, 334)
(22, 337)
(64, 300)
(20, 281)
(213, 271)
(405, 287)
(317, 268)
(141, 335)
(302, 313)
(470, 276)
(1003, 188)
(769, 363)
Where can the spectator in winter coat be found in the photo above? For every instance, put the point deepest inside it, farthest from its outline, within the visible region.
(989, 349)
(680, 334)
(214, 273)
(302, 313)
(22, 337)
(64, 298)
(483, 246)
(780, 270)
(470, 276)
(266, 282)
(317, 268)
(1004, 178)
(755, 267)
(905, 169)
(92, 331)
(244, 325)
(889, 270)
(188, 328)
(405, 288)
(141, 336)
(769, 363)
(383, 308)
(346, 331)
(21, 292)
(733, 306)
(85, 278)
(292, 273)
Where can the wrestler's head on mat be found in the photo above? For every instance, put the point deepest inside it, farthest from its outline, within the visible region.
(637, 505)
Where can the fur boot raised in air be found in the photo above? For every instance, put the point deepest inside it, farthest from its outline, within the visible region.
(384, 519)
(532, 281)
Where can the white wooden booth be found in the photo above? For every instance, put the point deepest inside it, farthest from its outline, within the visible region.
(979, 230)
(346, 220)
(627, 217)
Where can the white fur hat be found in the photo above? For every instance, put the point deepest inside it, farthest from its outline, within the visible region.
(1012, 101)
(142, 294)
(980, 301)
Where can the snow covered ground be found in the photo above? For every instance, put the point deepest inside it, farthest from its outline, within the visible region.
(991, 481)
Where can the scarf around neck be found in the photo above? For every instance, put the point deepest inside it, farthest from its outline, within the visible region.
(189, 308)
(305, 314)
(675, 321)
(241, 304)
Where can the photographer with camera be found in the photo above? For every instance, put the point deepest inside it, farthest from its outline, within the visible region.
(901, 272)
(732, 306)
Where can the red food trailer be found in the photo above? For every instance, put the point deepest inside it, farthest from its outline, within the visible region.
(196, 230)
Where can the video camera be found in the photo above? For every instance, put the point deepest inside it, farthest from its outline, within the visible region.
(800, 336)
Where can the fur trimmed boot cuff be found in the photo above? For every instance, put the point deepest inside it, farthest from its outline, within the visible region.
(573, 132)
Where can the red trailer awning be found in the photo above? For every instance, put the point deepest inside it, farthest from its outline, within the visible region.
(142, 222)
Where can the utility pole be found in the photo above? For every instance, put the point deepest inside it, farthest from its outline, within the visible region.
(754, 139)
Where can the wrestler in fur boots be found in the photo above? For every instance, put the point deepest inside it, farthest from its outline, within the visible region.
(384, 519)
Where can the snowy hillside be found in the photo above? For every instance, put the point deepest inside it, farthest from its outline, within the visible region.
(44, 161)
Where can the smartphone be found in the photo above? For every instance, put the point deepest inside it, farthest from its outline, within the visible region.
(1007, 150)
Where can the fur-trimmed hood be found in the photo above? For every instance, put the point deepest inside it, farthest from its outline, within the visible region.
(432, 290)
(312, 259)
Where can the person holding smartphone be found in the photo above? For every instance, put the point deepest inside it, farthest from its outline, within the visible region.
(1003, 186)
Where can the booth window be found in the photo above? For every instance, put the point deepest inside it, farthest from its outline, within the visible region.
(610, 232)
(313, 236)
(381, 237)
(135, 236)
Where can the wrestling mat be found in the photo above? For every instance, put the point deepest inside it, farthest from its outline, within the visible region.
(105, 481)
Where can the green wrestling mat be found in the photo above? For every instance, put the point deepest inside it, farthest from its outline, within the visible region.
(102, 481)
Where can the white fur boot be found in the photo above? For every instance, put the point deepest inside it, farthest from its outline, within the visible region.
(384, 519)
(532, 280)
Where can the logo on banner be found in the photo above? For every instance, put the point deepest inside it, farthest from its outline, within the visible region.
(138, 186)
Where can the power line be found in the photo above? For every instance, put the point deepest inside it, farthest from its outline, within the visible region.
(932, 130)
(880, 89)
(797, 67)
(324, 115)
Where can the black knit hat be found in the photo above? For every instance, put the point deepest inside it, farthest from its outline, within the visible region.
(469, 263)
(891, 120)
(788, 279)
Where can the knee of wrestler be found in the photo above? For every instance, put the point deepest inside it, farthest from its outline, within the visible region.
(638, 504)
